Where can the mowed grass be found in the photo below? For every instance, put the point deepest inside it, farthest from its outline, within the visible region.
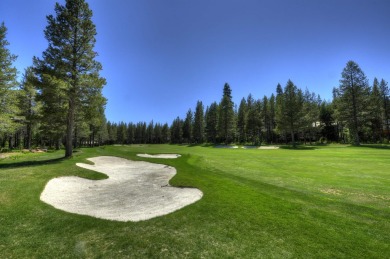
(314, 202)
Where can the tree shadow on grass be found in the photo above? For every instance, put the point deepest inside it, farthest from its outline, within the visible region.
(375, 146)
(31, 163)
(298, 147)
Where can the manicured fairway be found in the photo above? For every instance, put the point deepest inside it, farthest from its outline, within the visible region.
(313, 202)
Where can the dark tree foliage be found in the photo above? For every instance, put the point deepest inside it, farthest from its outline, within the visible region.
(351, 99)
(8, 93)
(226, 123)
(177, 131)
(212, 122)
(242, 121)
(187, 127)
(198, 129)
(290, 113)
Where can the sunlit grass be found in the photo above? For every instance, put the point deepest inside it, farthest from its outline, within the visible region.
(316, 202)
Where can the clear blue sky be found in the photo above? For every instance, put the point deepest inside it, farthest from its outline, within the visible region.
(160, 57)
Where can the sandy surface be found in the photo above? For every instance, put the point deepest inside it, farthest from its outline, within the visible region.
(225, 146)
(134, 191)
(268, 147)
(166, 156)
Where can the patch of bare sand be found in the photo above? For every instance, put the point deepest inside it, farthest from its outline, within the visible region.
(134, 191)
(165, 156)
(268, 147)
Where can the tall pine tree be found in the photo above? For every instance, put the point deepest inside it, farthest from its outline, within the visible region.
(352, 97)
(226, 116)
(8, 84)
(198, 129)
(70, 57)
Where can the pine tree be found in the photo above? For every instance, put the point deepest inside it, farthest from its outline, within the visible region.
(242, 121)
(177, 131)
(326, 116)
(352, 99)
(187, 127)
(266, 118)
(198, 130)
(28, 104)
(272, 116)
(8, 84)
(212, 122)
(226, 116)
(253, 120)
(311, 111)
(70, 58)
(165, 133)
(376, 112)
(290, 111)
(384, 90)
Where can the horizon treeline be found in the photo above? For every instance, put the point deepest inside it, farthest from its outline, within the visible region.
(59, 103)
(359, 112)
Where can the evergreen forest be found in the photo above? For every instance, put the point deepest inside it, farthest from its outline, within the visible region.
(58, 103)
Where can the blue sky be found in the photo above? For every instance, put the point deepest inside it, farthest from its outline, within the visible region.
(160, 57)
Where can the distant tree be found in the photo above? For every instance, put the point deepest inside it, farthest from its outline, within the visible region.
(157, 133)
(376, 112)
(28, 104)
(140, 133)
(187, 127)
(212, 122)
(198, 130)
(242, 121)
(268, 117)
(177, 131)
(311, 111)
(253, 120)
(352, 99)
(52, 97)
(130, 133)
(121, 133)
(70, 58)
(290, 113)
(226, 116)
(327, 121)
(165, 134)
(384, 90)
(149, 133)
(272, 114)
(8, 84)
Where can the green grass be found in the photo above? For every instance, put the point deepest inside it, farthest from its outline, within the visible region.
(320, 202)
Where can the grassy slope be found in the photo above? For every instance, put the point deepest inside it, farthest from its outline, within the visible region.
(324, 202)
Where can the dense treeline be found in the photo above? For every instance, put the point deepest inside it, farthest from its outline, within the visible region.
(59, 103)
(358, 112)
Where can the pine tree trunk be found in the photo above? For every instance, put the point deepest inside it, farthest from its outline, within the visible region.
(29, 137)
(69, 130)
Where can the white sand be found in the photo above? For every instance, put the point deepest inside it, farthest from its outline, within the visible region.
(268, 147)
(134, 191)
(225, 146)
(166, 156)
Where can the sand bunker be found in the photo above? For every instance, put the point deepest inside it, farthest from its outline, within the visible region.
(268, 147)
(166, 156)
(134, 191)
(225, 146)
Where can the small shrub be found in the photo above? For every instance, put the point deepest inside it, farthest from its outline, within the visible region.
(323, 140)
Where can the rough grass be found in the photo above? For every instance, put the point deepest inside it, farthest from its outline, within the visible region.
(318, 202)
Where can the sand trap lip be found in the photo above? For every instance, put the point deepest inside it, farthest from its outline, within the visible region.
(225, 146)
(165, 156)
(268, 147)
(134, 191)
